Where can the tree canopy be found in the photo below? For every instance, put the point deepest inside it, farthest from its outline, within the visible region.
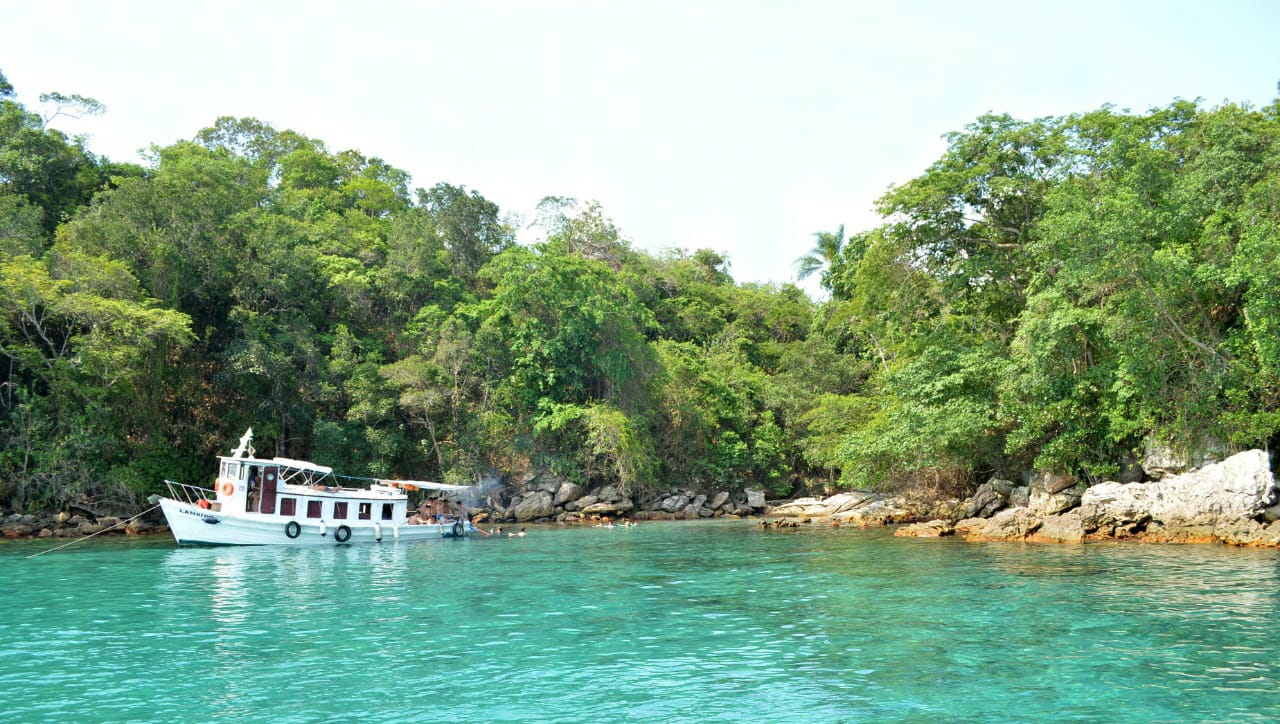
(1056, 293)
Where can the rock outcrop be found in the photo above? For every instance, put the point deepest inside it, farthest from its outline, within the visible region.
(1234, 501)
(547, 498)
(1228, 501)
(1238, 488)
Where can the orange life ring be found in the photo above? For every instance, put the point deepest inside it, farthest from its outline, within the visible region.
(227, 489)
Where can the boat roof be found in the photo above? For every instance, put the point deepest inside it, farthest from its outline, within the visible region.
(244, 453)
(323, 471)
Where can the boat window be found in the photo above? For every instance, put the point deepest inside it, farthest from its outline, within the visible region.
(387, 509)
(366, 511)
(288, 506)
(340, 511)
(313, 508)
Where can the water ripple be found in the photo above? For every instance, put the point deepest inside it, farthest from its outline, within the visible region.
(715, 622)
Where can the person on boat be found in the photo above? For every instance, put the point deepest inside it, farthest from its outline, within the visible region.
(251, 503)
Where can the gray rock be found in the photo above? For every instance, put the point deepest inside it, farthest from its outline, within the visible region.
(1160, 459)
(1271, 514)
(698, 501)
(1011, 524)
(1249, 533)
(567, 493)
(16, 530)
(1238, 488)
(1050, 482)
(1020, 497)
(1044, 503)
(608, 494)
(876, 511)
(603, 508)
(532, 506)
(719, 500)
(931, 529)
(987, 499)
(1065, 528)
(969, 526)
(755, 499)
(825, 508)
(675, 503)
(547, 484)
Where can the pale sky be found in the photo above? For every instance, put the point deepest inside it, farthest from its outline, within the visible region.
(741, 126)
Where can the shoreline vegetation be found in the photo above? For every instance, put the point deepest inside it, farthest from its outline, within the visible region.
(1084, 301)
(1234, 501)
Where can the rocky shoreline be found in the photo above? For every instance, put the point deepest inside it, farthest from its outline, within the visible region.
(74, 525)
(545, 498)
(1233, 502)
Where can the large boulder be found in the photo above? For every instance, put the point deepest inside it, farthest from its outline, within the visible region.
(824, 508)
(987, 499)
(1160, 459)
(719, 500)
(538, 504)
(931, 529)
(567, 493)
(1065, 528)
(1044, 503)
(614, 507)
(16, 530)
(1052, 493)
(546, 483)
(1011, 524)
(798, 508)
(1238, 488)
(673, 503)
(755, 499)
(969, 526)
(876, 511)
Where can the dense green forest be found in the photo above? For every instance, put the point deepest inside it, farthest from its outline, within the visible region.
(1056, 293)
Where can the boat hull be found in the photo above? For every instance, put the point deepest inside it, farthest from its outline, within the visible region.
(191, 524)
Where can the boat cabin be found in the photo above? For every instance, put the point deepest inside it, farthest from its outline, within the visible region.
(291, 489)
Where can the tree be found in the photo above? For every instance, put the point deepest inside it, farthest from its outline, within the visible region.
(468, 224)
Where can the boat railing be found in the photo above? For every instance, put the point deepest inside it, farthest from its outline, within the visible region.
(190, 494)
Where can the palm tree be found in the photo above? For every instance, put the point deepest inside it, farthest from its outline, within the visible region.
(824, 257)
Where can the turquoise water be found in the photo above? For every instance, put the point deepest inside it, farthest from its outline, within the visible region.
(663, 622)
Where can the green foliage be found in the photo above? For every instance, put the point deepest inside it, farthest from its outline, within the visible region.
(1049, 293)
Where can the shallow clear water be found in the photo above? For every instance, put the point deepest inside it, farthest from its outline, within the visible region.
(663, 622)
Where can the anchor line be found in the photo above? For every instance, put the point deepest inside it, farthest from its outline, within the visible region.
(104, 530)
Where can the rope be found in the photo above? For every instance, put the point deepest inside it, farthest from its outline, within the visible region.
(104, 530)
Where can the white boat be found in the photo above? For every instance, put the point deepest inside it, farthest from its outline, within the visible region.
(255, 501)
